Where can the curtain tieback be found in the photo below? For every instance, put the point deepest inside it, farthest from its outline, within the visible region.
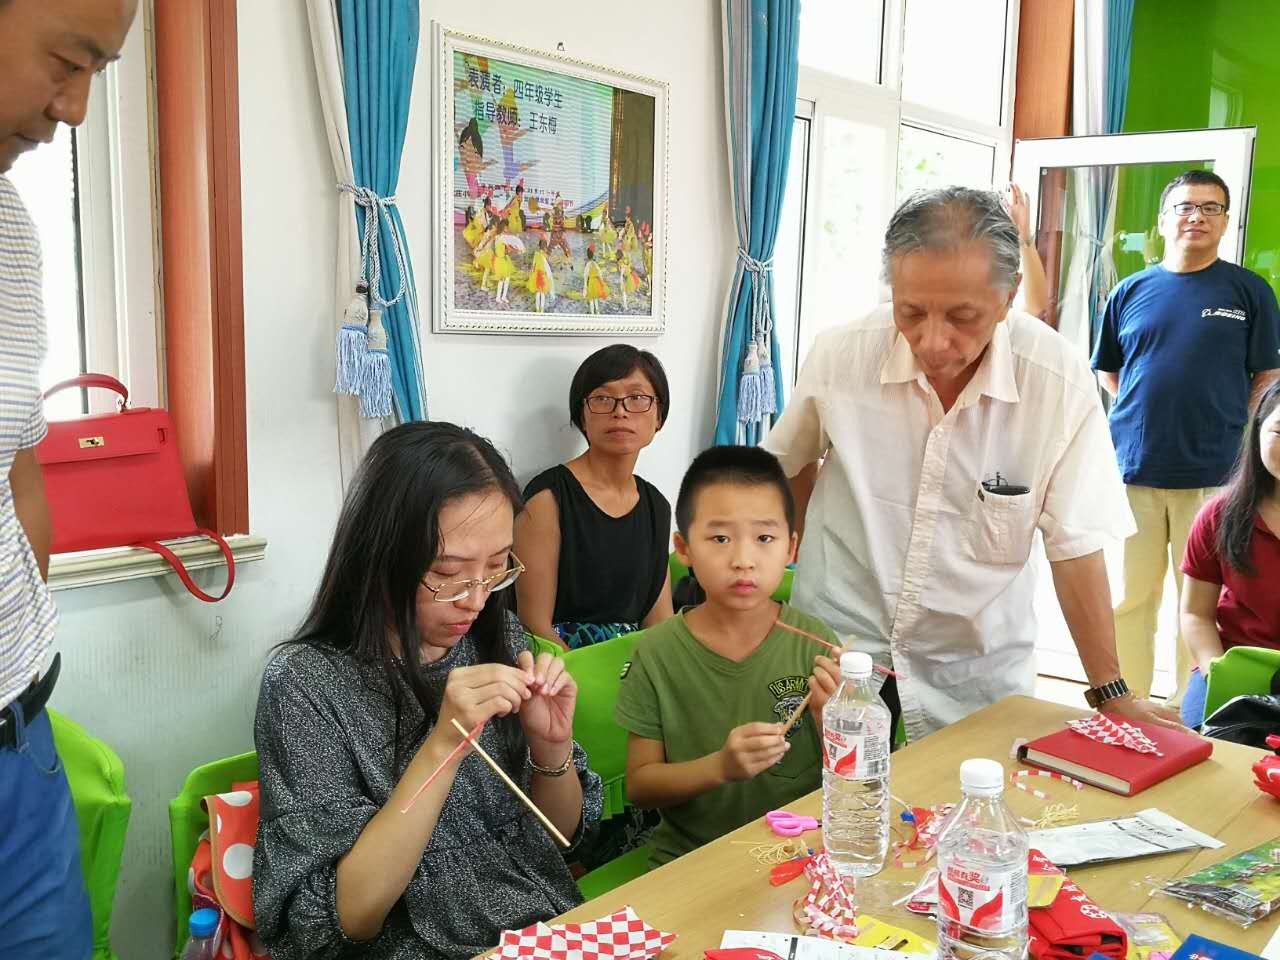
(377, 210)
(761, 323)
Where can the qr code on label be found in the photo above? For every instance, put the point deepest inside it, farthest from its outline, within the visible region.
(966, 898)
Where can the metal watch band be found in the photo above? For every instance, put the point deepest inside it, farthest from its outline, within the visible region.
(1111, 690)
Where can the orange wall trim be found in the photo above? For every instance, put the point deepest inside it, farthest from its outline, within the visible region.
(198, 137)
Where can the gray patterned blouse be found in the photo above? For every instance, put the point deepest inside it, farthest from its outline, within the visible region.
(324, 732)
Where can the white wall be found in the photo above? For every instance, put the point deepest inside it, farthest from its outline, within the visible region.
(170, 682)
(522, 402)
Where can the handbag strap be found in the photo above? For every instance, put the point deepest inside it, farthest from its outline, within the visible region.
(180, 569)
(92, 380)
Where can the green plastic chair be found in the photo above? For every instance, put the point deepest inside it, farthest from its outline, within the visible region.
(678, 571)
(96, 777)
(539, 645)
(597, 670)
(619, 870)
(188, 819)
(1238, 672)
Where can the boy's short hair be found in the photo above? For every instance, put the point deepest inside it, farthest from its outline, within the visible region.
(747, 466)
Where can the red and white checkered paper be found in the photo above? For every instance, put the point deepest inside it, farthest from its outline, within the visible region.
(829, 908)
(1105, 730)
(621, 936)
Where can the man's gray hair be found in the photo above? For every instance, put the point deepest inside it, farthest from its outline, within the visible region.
(946, 218)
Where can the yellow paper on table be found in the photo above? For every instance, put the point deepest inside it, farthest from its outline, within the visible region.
(1042, 888)
(877, 933)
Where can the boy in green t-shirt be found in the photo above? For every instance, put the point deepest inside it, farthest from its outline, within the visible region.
(709, 691)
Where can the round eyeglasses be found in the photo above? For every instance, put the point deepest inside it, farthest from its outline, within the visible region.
(451, 591)
(1211, 209)
(635, 403)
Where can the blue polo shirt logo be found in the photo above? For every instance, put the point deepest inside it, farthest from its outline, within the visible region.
(1227, 312)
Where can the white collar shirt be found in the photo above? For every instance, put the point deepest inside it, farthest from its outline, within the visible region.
(904, 553)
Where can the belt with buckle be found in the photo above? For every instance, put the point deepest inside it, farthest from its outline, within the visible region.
(32, 700)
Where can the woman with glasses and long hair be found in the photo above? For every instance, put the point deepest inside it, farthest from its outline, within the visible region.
(595, 535)
(409, 630)
(1231, 569)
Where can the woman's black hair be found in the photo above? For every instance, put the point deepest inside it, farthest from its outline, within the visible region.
(471, 134)
(1251, 482)
(611, 363)
(388, 536)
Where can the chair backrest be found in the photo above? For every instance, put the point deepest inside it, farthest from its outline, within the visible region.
(1238, 672)
(539, 645)
(597, 670)
(96, 777)
(188, 819)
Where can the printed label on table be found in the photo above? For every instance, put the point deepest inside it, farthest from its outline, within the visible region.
(984, 900)
(852, 757)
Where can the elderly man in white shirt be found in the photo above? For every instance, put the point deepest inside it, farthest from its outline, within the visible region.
(926, 444)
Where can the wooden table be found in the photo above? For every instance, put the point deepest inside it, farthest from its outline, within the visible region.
(720, 887)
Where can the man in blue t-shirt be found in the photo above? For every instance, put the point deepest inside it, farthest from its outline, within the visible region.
(1186, 347)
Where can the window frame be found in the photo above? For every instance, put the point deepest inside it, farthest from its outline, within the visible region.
(821, 94)
(119, 226)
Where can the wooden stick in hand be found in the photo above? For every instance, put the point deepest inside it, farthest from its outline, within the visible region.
(797, 713)
(829, 645)
(511, 784)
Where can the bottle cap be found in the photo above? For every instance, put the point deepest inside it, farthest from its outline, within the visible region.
(981, 776)
(204, 923)
(855, 664)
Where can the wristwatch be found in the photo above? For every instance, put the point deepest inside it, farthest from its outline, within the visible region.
(1111, 690)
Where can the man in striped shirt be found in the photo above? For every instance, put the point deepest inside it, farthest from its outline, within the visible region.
(49, 52)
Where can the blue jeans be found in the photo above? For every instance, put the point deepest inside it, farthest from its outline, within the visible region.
(1193, 699)
(44, 910)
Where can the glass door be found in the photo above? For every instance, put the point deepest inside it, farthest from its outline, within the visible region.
(1095, 202)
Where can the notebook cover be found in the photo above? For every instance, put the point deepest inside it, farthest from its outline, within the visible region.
(1139, 770)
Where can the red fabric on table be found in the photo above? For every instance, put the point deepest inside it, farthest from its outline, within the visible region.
(1073, 926)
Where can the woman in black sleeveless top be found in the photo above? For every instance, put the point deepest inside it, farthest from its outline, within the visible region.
(593, 536)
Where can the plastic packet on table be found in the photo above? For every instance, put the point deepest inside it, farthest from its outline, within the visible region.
(1150, 935)
(1244, 888)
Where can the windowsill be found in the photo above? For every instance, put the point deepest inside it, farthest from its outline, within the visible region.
(92, 568)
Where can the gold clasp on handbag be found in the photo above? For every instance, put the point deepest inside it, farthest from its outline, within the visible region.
(87, 443)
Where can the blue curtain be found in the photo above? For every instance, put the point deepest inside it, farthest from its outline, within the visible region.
(379, 53)
(1118, 31)
(760, 39)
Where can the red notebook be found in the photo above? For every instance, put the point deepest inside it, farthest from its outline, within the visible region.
(1113, 767)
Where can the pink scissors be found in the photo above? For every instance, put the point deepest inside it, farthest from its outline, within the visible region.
(784, 823)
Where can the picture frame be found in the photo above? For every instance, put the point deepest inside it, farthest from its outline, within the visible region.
(550, 193)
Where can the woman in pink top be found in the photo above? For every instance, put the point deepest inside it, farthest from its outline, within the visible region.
(1232, 562)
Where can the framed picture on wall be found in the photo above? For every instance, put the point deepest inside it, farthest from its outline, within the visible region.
(550, 209)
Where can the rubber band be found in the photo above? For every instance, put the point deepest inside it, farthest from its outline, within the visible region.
(771, 854)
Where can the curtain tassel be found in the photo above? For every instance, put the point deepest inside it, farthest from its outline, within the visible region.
(353, 343)
(375, 374)
(750, 405)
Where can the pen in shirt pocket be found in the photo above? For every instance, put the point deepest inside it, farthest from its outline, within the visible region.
(1001, 487)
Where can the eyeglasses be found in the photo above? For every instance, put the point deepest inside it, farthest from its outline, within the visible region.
(635, 403)
(1211, 209)
(451, 591)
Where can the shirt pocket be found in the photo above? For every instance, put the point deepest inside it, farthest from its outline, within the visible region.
(1002, 528)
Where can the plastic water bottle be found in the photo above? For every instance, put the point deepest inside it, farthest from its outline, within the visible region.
(201, 945)
(982, 872)
(855, 772)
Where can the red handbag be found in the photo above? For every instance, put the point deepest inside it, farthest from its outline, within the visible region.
(115, 480)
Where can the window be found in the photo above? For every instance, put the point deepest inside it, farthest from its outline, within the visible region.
(93, 212)
(894, 96)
